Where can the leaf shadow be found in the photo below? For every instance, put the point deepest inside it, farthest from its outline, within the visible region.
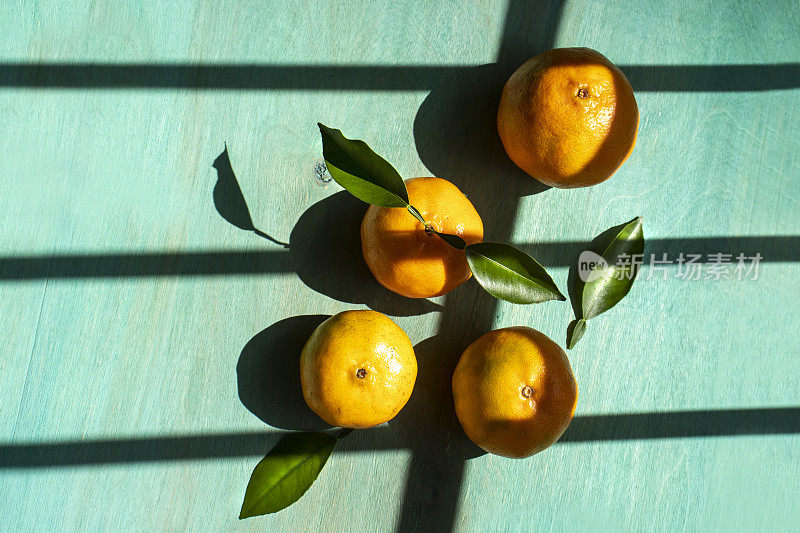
(324, 246)
(229, 199)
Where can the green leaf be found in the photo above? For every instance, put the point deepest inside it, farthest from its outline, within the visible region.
(510, 274)
(608, 284)
(286, 473)
(453, 240)
(575, 332)
(365, 174)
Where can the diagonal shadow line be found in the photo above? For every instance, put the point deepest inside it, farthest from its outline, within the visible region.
(778, 249)
(590, 428)
(435, 480)
(244, 77)
(713, 78)
(684, 424)
(148, 264)
(199, 76)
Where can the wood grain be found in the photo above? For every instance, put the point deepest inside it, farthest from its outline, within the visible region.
(133, 314)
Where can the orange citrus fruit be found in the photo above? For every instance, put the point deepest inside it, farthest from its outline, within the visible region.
(514, 392)
(568, 117)
(357, 369)
(406, 259)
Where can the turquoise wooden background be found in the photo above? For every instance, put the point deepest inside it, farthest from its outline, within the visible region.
(148, 345)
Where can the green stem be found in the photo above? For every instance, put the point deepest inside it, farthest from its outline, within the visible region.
(453, 240)
(428, 228)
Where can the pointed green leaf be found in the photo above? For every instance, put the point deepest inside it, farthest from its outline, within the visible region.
(510, 274)
(453, 240)
(575, 332)
(286, 473)
(609, 280)
(365, 174)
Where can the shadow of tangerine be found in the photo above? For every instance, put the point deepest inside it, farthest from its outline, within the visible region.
(428, 420)
(268, 374)
(325, 247)
(268, 378)
(455, 131)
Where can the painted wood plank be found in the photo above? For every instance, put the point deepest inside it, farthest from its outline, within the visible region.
(127, 303)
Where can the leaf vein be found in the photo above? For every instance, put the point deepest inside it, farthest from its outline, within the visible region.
(284, 476)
